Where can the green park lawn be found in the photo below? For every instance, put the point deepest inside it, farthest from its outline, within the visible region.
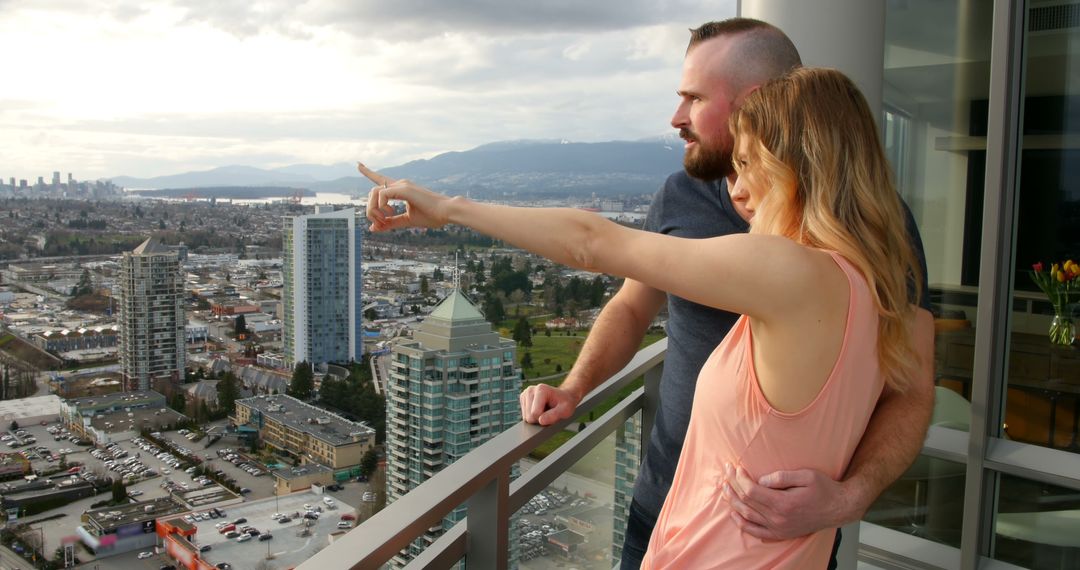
(547, 352)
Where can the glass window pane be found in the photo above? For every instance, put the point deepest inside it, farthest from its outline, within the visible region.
(936, 87)
(1044, 365)
(1038, 524)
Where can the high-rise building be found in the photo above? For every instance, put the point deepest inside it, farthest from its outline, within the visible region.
(627, 464)
(321, 267)
(452, 387)
(151, 317)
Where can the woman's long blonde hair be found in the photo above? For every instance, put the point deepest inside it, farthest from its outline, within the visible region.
(812, 134)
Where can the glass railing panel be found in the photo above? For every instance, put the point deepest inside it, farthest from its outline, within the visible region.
(571, 522)
(927, 501)
(1037, 524)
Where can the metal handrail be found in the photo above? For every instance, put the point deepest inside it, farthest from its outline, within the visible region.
(481, 479)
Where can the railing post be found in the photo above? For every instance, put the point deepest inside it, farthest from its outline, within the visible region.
(488, 521)
(649, 406)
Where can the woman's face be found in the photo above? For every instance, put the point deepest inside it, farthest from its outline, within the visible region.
(751, 185)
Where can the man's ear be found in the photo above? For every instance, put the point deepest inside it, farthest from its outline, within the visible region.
(743, 94)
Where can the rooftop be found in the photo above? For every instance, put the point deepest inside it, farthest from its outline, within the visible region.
(317, 422)
(457, 307)
(142, 511)
(138, 397)
(301, 471)
(31, 407)
(152, 246)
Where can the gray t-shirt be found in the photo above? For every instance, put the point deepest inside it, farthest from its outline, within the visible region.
(692, 208)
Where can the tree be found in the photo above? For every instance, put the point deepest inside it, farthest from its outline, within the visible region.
(523, 332)
(14, 425)
(228, 393)
(493, 309)
(369, 462)
(178, 401)
(240, 325)
(526, 361)
(84, 287)
(424, 287)
(371, 314)
(119, 491)
(303, 381)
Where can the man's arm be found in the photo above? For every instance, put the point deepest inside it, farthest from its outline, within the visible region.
(788, 504)
(613, 341)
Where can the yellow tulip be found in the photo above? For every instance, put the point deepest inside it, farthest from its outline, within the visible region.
(1060, 276)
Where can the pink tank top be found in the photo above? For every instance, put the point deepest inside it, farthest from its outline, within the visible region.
(732, 422)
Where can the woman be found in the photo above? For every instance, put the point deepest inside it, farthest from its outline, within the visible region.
(821, 282)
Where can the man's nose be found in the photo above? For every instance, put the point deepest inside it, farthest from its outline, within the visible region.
(681, 118)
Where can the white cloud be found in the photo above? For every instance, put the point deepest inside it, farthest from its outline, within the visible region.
(143, 89)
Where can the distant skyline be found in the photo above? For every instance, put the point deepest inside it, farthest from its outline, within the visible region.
(167, 86)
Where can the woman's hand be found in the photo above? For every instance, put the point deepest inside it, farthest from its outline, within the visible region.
(423, 208)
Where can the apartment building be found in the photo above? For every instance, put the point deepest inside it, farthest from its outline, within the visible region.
(321, 297)
(452, 387)
(152, 319)
(305, 432)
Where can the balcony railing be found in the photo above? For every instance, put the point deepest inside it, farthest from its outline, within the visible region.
(482, 481)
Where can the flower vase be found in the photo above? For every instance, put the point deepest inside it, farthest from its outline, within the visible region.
(1062, 330)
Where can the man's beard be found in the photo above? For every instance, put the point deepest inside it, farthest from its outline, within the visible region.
(705, 162)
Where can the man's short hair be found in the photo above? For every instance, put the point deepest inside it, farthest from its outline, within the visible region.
(761, 51)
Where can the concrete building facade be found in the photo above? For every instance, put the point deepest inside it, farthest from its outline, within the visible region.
(321, 269)
(152, 319)
(305, 432)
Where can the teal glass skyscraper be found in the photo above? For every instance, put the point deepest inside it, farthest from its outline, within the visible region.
(452, 387)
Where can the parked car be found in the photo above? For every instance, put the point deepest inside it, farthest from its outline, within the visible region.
(265, 536)
(348, 517)
(344, 524)
(145, 555)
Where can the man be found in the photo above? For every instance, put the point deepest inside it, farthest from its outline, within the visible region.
(726, 61)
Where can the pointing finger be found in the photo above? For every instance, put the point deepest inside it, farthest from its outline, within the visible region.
(374, 176)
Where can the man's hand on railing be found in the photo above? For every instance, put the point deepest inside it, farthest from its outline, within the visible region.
(545, 405)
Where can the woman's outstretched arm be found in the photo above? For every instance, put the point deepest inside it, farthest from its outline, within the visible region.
(759, 276)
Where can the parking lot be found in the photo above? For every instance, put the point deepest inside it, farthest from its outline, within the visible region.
(47, 448)
(261, 486)
(292, 541)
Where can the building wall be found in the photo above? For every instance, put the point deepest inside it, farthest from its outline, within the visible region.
(302, 444)
(322, 285)
(151, 319)
(442, 403)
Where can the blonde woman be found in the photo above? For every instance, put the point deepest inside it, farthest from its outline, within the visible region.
(822, 281)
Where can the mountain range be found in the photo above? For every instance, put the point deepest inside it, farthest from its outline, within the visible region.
(509, 168)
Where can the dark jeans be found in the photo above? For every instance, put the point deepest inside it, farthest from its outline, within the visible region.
(639, 527)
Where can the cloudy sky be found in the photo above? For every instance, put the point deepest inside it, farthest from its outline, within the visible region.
(151, 87)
